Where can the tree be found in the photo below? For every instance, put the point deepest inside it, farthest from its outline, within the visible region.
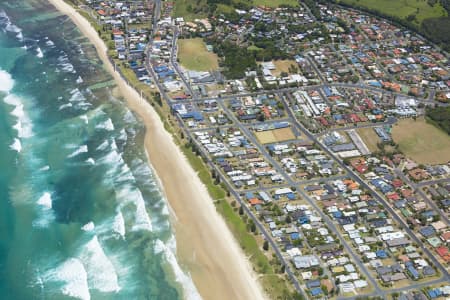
(266, 245)
(241, 210)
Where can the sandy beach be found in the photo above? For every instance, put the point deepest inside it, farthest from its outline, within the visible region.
(206, 247)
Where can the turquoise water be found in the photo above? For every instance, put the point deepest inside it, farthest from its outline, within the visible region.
(81, 213)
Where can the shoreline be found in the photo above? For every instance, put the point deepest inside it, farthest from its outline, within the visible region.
(205, 245)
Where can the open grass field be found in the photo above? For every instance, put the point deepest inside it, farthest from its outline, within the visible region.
(421, 141)
(283, 66)
(274, 136)
(275, 3)
(187, 9)
(191, 10)
(194, 56)
(369, 137)
(402, 8)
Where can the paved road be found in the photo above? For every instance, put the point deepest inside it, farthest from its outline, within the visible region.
(421, 193)
(327, 220)
(311, 202)
(319, 86)
(432, 182)
(376, 196)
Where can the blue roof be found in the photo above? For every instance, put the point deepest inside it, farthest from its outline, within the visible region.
(249, 195)
(316, 291)
(295, 236)
(337, 214)
(427, 231)
(434, 293)
(381, 254)
(413, 271)
(313, 283)
(290, 196)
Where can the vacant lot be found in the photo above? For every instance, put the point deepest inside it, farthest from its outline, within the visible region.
(421, 141)
(274, 136)
(402, 8)
(283, 66)
(194, 56)
(369, 137)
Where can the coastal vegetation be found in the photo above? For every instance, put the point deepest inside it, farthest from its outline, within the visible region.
(422, 141)
(193, 55)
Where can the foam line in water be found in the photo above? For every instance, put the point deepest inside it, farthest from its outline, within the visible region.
(189, 289)
(45, 200)
(101, 273)
(90, 161)
(6, 82)
(17, 146)
(39, 53)
(119, 224)
(107, 125)
(24, 125)
(88, 226)
(74, 278)
(81, 149)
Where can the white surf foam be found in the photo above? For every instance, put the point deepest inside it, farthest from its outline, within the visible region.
(39, 53)
(85, 118)
(88, 226)
(79, 80)
(119, 224)
(45, 168)
(74, 277)
(17, 145)
(6, 82)
(90, 160)
(101, 273)
(45, 200)
(129, 117)
(24, 124)
(190, 291)
(12, 28)
(81, 149)
(65, 106)
(66, 66)
(103, 146)
(50, 43)
(107, 125)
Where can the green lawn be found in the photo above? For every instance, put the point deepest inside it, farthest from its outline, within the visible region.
(402, 8)
(194, 56)
(275, 3)
(191, 10)
(421, 141)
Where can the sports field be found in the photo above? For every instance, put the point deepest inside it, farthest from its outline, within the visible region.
(194, 56)
(402, 8)
(274, 136)
(422, 142)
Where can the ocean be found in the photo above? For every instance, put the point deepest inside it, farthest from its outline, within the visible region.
(82, 215)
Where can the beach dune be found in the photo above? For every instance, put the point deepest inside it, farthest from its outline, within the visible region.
(206, 247)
